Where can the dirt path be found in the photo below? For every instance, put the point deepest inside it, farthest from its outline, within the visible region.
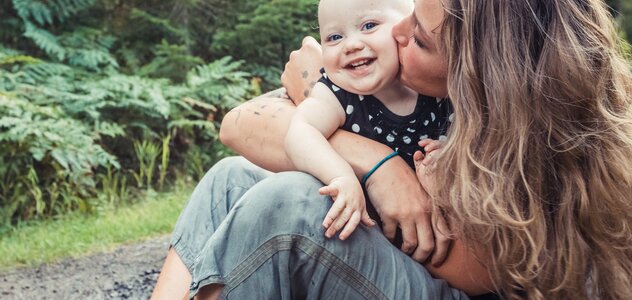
(128, 272)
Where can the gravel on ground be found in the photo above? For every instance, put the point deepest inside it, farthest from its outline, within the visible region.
(129, 272)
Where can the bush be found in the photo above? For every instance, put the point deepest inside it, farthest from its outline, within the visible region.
(67, 135)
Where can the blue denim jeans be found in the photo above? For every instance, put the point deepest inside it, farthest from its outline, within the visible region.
(260, 234)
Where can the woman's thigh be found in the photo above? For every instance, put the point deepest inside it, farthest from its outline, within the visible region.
(272, 246)
(213, 197)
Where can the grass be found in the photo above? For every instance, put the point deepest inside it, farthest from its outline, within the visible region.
(77, 235)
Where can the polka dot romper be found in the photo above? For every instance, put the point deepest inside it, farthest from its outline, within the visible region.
(367, 116)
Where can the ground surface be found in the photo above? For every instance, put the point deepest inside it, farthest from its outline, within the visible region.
(129, 272)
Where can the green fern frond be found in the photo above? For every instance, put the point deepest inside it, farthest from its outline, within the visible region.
(201, 124)
(48, 131)
(4, 51)
(91, 59)
(44, 12)
(39, 72)
(135, 93)
(35, 10)
(220, 82)
(161, 23)
(67, 8)
(45, 41)
(89, 48)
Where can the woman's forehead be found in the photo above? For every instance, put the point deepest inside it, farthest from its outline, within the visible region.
(429, 15)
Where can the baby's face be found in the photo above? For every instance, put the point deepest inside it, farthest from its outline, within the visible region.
(359, 51)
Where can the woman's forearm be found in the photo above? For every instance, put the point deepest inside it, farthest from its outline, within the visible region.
(360, 152)
(257, 130)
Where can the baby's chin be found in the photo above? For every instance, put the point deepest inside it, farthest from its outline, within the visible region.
(366, 89)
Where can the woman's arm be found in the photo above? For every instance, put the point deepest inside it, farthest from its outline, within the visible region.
(256, 130)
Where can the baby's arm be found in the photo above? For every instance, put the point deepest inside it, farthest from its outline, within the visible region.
(307, 147)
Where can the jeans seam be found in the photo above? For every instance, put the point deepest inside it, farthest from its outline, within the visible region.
(284, 243)
(229, 190)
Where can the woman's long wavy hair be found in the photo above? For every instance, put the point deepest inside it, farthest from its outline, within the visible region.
(539, 160)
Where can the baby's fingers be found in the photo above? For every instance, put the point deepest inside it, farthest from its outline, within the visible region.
(351, 225)
(430, 145)
(339, 222)
(418, 157)
(332, 215)
(328, 190)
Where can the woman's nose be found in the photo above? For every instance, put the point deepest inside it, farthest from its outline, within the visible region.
(402, 31)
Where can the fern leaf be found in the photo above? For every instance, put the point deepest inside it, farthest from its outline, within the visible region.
(45, 40)
(91, 59)
(36, 10)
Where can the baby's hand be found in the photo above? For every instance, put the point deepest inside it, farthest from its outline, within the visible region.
(422, 162)
(349, 206)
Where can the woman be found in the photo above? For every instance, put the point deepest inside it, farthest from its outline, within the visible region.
(534, 178)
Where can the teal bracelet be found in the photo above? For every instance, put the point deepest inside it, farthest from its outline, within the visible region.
(366, 177)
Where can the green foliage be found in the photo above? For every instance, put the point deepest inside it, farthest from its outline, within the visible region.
(60, 153)
(73, 130)
(146, 153)
(34, 243)
(220, 83)
(265, 32)
(170, 61)
(622, 10)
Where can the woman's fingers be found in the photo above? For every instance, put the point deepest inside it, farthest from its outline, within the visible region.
(310, 41)
(442, 240)
(366, 219)
(425, 240)
(409, 236)
(389, 228)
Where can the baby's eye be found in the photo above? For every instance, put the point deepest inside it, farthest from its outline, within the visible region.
(334, 37)
(369, 25)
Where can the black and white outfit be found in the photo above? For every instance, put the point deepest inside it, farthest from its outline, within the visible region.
(368, 117)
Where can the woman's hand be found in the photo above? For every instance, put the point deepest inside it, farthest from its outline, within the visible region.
(423, 170)
(302, 71)
(401, 202)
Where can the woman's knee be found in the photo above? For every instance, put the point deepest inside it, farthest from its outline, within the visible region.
(229, 171)
(288, 200)
(229, 165)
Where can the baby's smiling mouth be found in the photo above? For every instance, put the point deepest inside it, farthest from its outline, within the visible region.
(359, 64)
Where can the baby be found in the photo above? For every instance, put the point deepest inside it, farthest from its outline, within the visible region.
(359, 92)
